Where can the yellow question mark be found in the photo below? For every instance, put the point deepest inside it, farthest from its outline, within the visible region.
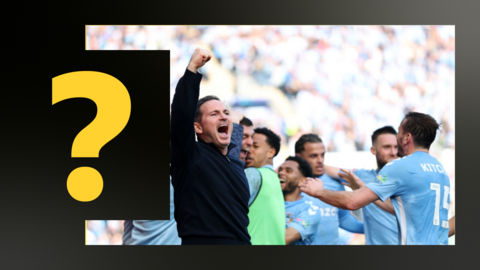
(85, 184)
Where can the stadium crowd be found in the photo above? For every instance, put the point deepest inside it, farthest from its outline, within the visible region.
(341, 82)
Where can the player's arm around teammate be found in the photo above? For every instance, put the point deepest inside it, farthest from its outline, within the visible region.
(341, 199)
(355, 183)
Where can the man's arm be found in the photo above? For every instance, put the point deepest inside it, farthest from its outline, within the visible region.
(387, 206)
(184, 107)
(451, 224)
(331, 171)
(349, 222)
(291, 235)
(354, 182)
(341, 199)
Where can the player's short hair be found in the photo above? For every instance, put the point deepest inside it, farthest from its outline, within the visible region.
(246, 122)
(199, 114)
(272, 139)
(306, 138)
(383, 130)
(423, 128)
(303, 165)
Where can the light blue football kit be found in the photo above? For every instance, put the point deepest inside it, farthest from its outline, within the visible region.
(419, 189)
(380, 226)
(302, 215)
(152, 232)
(333, 217)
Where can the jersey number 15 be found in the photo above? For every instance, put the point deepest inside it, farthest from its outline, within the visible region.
(436, 214)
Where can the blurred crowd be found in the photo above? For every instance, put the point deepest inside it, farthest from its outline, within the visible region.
(110, 232)
(104, 232)
(341, 82)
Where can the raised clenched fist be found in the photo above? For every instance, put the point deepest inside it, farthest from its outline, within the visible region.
(199, 58)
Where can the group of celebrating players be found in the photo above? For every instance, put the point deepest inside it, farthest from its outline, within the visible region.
(224, 189)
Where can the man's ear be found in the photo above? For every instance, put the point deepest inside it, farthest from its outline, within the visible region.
(373, 151)
(197, 127)
(271, 152)
(408, 138)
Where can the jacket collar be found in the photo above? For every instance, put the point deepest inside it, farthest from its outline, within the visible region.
(230, 146)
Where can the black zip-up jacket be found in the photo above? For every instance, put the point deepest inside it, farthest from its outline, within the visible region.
(210, 189)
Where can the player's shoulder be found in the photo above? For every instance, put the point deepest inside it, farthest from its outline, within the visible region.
(252, 172)
(411, 162)
(310, 204)
(251, 169)
(400, 162)
(397, 167)
(328, 180)
(361, 172)
(309, 200)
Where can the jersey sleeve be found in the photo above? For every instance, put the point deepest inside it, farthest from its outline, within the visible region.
(306, 222)
(389, 182)
(254, 183)
(184, 107)
(348, 222)
(360, 173)
(366, 175)
(237, 135)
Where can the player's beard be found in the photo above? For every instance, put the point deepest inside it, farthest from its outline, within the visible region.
(380, 164)
(400, 152)
(290, 188)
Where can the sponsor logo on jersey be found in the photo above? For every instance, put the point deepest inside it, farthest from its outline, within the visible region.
(382, 178)
(306, 224)
(289, 217)
(313, 208)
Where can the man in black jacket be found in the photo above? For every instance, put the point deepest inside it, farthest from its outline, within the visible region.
(210, 188)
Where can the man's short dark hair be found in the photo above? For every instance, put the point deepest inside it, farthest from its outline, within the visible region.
(198, 115)
(383, 130)
(272, 139)
(422, 127)
(303, 165)
(306, 138)
(246, 122)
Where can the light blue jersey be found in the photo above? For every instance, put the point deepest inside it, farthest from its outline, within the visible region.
(152, 232)
(255, 181)
(419, 189)
(333, 217)
(302, 216)
(380, 226)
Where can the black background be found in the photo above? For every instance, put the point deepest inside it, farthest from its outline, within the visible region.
(134, 165)
(41, 229)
